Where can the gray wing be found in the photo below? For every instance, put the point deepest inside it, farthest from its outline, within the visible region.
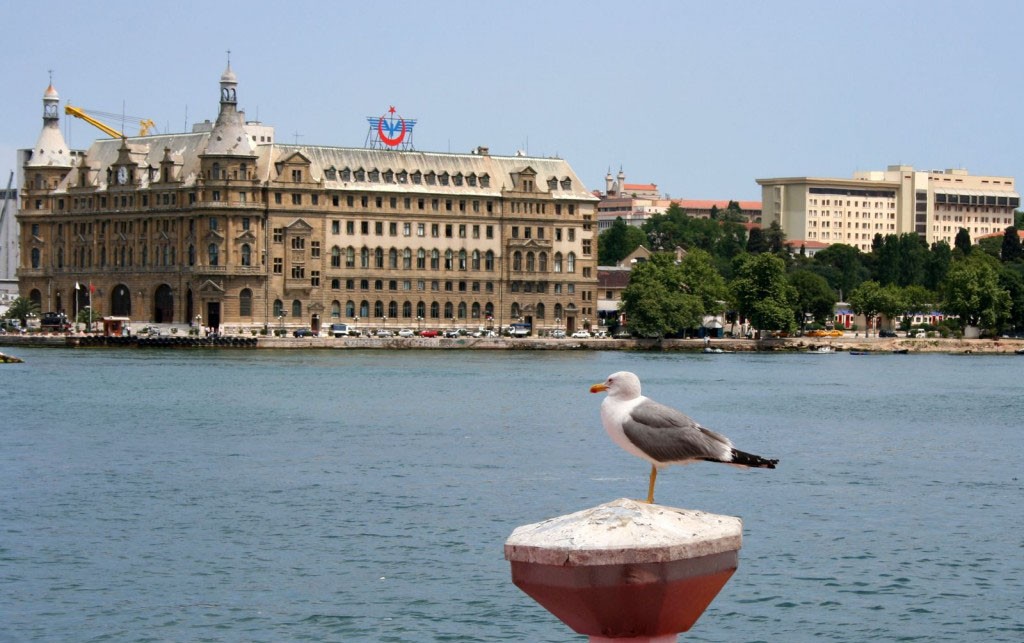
(668, 435)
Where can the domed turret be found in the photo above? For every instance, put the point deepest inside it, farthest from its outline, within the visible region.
(50, 149)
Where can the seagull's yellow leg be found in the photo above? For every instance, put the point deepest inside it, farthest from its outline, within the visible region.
(650, 489)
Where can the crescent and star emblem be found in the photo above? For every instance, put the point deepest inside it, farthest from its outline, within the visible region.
(393, 125)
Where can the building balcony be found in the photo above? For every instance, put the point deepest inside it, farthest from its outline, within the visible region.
(231, 271)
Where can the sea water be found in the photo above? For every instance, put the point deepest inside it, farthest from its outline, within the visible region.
(255, 495)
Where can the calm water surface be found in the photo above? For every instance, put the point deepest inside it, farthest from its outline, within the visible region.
(366, 496)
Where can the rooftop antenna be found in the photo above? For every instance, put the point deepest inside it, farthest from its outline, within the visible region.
(296, 135)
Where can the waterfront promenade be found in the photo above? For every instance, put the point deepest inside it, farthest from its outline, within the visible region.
(853, 344)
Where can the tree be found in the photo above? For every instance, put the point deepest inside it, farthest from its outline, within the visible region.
(962, 242)
(868, 299)
(843, 266)
(615, 243)
(972, 291)
(762, 292)
(814, 297)
(775, 238)
(937, 265)
(656, 302)
(21, 309)
(756, 241)
(702, 279)
(1011, 248)
(916, 299)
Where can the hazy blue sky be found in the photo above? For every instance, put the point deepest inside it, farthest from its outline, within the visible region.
(700, 98)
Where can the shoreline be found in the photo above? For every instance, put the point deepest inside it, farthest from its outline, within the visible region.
(871, 345)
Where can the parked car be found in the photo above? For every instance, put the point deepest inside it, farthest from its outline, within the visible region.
(581, 334)
(384, 332)
(558, 334)
(428, 333)
(454, 332)
(887, 333)
(601, 334)
(406, 332)
(303, 332)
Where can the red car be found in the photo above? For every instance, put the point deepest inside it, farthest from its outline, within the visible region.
(428, 333)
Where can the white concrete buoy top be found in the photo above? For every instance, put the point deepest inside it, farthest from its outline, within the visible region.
(624, 531)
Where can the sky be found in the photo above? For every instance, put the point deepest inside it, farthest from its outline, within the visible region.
(700, 98)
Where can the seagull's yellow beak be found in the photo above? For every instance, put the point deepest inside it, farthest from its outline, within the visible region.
(598, 388)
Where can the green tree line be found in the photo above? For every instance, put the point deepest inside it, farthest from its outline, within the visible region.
(761, 277)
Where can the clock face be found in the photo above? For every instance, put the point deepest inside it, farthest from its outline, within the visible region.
(122, 175)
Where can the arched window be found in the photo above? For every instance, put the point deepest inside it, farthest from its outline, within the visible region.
(462, 259)
(448, 310)
(245, 303)
(364, 308)
(407, 259)
(559, 312)
(515, 310)
(393, 259)
(379, 257)
(435, 259)
(350, 257)
(246, 255)
(462, 310)
(489, 261)
(278, 308)
(570, 263)
(350, 308)
(60, 257)
(392, 309)
(476, 260)
(542, 264)
(558, 262)
(407, 309)
(296, 308)
(531, 262)
(378, 308)
(540, 310)
(214, 251)
(335, 257)
(421, 309)
(364, 258)
(421, 259)
(448, 260)
(336, 309)
(474, 311)
(435, 310)
(489, 310)
(517, 261)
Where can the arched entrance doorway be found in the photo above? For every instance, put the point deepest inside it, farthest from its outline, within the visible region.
(121, 301)
(163, 305)
(36, 298)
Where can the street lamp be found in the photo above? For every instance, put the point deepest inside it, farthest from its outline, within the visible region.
(280, 322)
(419, 322)
(384, 320)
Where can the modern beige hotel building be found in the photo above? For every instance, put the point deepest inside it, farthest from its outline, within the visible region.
(224, 225)
(934, 204)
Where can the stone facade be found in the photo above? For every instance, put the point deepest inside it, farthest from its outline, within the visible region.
(224, 226)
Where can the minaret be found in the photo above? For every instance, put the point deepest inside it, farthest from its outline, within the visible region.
(228, 135)
(50, 149)
(608, 182)
(622, 182)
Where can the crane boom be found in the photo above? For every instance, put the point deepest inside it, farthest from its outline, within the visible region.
(106, 129)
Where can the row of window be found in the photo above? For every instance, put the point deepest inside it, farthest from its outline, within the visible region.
(407, 310)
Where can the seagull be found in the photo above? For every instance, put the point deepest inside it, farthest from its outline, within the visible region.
(660, 434)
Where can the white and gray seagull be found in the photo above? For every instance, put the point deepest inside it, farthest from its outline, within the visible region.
(660, 434)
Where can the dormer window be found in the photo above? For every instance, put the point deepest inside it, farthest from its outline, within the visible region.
(403, 176)
(471, 180)
(389, 176)
(346, 175)
(552, 184)
(374, 176)
(417, 177)
(443, 178)
(485, 180)
(360, 175)
(431, 178)
(457, 179)
(566, 183)
(297, 176)
(331, 173)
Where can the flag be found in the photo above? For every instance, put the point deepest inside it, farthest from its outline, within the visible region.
(78, 286)
(92, 288)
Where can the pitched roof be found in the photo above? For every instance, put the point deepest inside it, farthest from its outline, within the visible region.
(694, 204)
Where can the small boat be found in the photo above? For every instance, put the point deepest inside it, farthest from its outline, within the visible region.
(900, 351)
(822, 350)
(708, 349)
(860, 352)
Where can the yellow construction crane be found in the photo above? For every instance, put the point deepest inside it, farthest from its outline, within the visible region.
(145, 125)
